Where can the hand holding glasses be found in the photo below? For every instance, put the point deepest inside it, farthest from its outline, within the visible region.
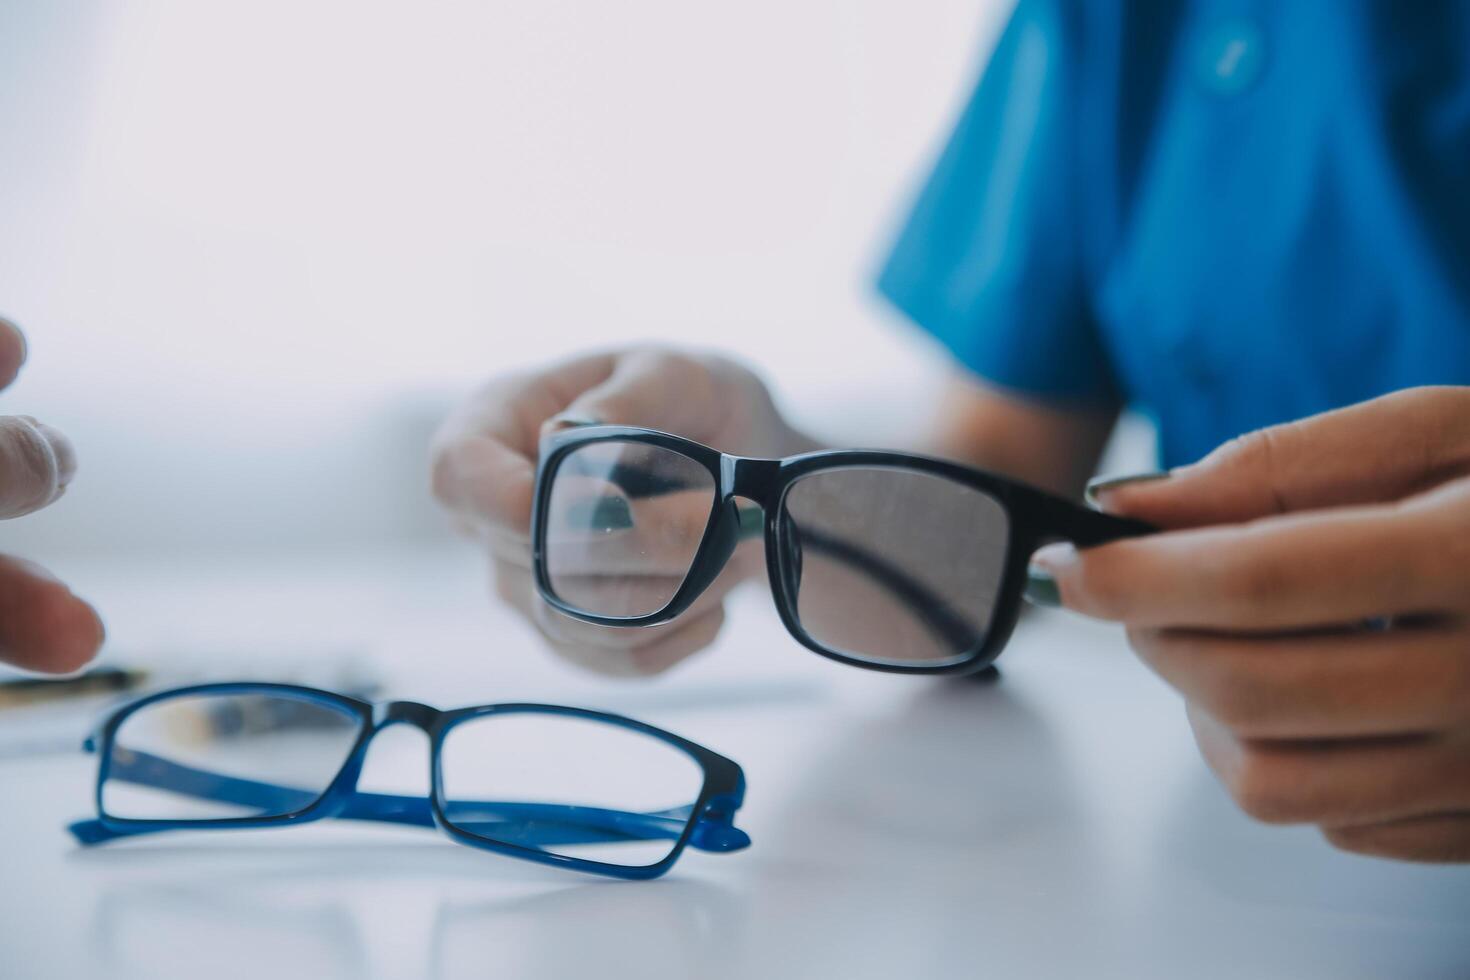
(879, 559)
(565, 786)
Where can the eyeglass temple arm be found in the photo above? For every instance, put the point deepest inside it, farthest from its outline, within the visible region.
(527, 824)
(1084, 527)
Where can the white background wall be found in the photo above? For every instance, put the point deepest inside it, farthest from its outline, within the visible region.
(259, 247)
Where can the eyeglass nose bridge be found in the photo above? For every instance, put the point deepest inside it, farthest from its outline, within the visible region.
(420, 716)
(754, 479)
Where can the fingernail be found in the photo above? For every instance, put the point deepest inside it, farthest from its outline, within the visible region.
(1097, 488)
(602, 514)
(1041, 581)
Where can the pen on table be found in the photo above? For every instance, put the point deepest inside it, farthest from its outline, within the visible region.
(24, 691)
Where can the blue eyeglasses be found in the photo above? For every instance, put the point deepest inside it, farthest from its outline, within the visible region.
(563, 786)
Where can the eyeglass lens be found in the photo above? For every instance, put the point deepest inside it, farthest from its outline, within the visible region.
(624, 521)
(569, 786)
(222, 756)
(893, 566)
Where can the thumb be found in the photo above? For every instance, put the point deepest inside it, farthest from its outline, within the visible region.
(36, 464)
(677, 393)
(1373, 452)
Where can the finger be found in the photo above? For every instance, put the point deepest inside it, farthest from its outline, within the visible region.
(658, 389)
(12, 351)
(42, 625)
(512, 409)
(1321, 568)
(658, 545)
(694, 633)
(486, 484)
(640, 594)
(36, 464)
(1374, 452)
(626, 594)
(562, 628)
(1320, 685)
(616, 651)
(484, 455)
(1337, 783)
(594, 530)
(1439, 839)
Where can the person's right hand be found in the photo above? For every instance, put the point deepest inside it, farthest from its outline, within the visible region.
(42, 625)
(484, 471)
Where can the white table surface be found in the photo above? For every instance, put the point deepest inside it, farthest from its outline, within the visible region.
(1057, 823)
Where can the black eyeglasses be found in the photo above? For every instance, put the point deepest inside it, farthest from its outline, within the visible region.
(878, 559)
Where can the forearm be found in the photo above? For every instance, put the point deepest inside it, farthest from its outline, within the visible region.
(1053, 448)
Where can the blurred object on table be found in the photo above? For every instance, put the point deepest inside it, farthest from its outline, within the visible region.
(40, 715)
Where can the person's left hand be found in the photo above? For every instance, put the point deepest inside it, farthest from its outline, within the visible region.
(1310, 598)
(42, 625)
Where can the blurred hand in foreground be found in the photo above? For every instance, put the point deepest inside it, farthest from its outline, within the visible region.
(42, 625)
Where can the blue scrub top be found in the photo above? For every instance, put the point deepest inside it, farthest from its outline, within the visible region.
(1227, 214)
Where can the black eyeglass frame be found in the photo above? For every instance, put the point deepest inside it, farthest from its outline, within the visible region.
(1034, 517)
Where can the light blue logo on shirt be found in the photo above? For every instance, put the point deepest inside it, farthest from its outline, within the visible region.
(1232, 57)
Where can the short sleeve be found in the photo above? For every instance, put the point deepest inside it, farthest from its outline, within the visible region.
(989, 259)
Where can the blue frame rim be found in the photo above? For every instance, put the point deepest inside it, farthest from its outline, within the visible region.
(103, 737)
